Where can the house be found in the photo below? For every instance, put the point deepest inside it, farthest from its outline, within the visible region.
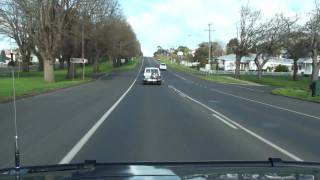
(14, 54)
(272, 63)
(228, 63)
(305, 66)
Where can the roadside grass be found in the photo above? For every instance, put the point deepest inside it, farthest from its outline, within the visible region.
(129, 65)
(285, 86)
(296, 93)
(32, 82)
(215, 78)
(279, 81)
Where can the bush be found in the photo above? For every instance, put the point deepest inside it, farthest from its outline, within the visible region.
(281, 68)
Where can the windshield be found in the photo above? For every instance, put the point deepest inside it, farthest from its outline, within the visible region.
(158, 81)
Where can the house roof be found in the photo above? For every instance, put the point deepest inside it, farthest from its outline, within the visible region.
(232, 57)
(305, 60)
(281, 60)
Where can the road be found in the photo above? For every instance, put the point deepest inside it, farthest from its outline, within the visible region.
(117, 119)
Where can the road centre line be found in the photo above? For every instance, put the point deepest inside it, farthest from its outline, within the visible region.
(76, 148)
(250, 89)
(224, 121)
(266, 104)
(285, 152)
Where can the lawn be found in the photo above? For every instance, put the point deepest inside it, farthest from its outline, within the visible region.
(296, 93)
(279, 81)
(285, 86)
(202, 75)
(33, 83)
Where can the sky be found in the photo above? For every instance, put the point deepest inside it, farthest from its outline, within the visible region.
(170, 23)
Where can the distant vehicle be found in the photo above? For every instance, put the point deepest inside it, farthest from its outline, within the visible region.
(152, 75)
(163, 66)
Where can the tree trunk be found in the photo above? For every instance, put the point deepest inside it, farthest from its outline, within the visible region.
(61, 63)
(315, 73)
(315, 66)
(96, 66)
(237, 71)
(40, 61)
(96, 63)
(72, 70)
(259, 72)
(25, 64)
(295, 70)
(49, 71)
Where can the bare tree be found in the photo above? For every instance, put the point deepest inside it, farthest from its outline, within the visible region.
(248, 31)
(14, 24)
(48, 21)
(313, 30)
(268, 40)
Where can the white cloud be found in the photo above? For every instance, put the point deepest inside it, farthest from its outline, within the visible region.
(171, 22)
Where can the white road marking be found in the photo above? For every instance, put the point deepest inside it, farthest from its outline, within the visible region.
(266, 104)
(224, 121)
(250, 89)
(287, 153)
(74, 151)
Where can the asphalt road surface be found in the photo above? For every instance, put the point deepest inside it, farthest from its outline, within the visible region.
(117, 119)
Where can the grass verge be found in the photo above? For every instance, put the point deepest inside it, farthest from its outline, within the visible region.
(215, 78)
(30, 83)
(296, 93)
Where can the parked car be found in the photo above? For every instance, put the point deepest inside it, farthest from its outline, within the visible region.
(152, 75)
(163, 66)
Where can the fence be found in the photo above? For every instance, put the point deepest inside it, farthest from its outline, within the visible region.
(246, 72)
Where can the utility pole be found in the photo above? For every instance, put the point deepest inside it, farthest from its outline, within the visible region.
(209, 53)
(209, 61)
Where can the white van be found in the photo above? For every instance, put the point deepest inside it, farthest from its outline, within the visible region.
(152, 75)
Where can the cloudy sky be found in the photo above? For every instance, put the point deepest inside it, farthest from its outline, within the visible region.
(170, 23)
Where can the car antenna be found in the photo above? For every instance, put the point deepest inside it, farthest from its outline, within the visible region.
(16, 140)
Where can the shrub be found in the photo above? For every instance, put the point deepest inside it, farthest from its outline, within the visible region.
(281, 68)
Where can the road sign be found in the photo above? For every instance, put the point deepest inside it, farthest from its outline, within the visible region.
(78, 60)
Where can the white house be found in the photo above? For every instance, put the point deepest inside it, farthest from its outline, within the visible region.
(271, 64)
(305, 66)
(228, 63)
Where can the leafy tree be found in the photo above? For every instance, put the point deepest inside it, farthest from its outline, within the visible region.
(201, 53)
(3, 56)
(232, 46)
